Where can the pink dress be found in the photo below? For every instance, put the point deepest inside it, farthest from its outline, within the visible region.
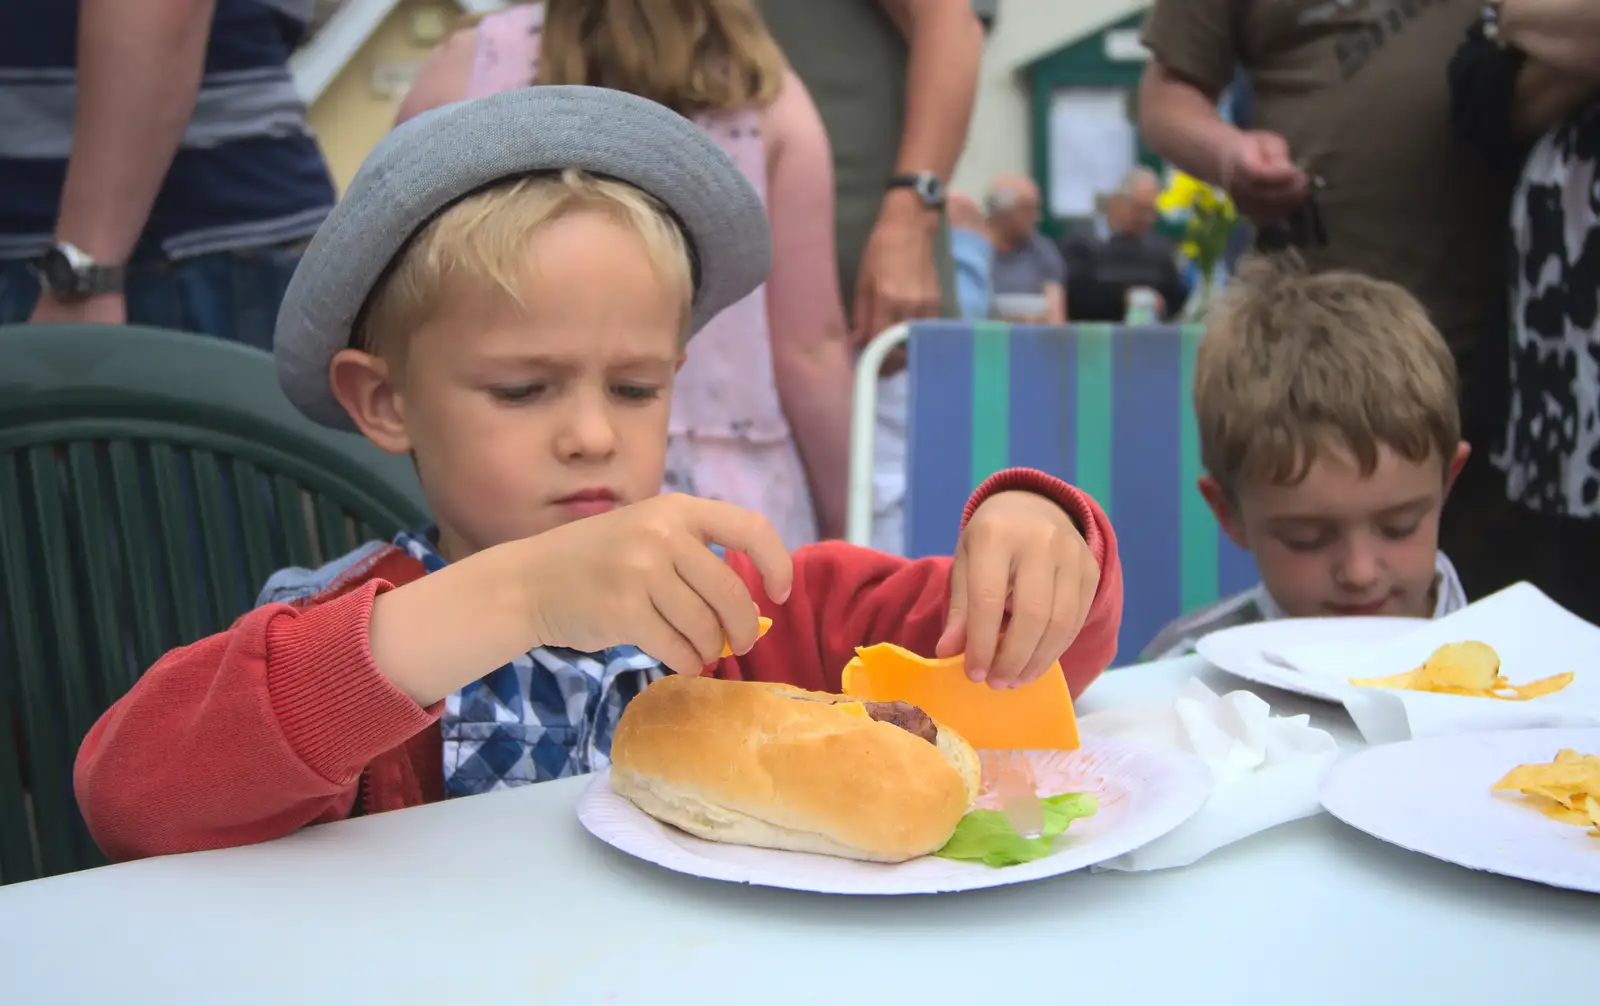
(728, 438)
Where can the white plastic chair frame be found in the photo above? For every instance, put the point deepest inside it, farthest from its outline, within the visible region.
(863, 429)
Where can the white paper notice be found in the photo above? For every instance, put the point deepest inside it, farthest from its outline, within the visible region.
(1092, 147)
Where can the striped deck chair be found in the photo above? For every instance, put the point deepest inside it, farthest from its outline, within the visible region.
(1104, 407)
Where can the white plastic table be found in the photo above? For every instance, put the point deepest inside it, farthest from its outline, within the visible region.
(506, 899)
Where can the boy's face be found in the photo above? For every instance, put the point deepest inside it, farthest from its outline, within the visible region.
(1340, 543)
(524, 419)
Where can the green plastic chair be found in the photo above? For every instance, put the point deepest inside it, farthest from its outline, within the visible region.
(150, 481)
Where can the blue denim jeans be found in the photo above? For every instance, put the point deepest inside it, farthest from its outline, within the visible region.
(231, 295)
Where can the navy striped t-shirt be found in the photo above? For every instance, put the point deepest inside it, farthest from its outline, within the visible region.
(247, 173)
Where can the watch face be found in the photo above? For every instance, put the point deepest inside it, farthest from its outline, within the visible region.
(931, 190)
(56, 272)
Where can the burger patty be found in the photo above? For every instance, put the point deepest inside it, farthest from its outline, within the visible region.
(905, 716)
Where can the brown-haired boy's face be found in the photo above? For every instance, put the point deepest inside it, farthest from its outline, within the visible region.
(522, 419)
(1340, 542)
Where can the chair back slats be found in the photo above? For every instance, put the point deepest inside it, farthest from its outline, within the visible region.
(150, 482)
(17, 859)
(130, 485)
(64, 575)
(219, 540)
(1102, 406)
(53, 685)
(293, 523)
(25, 632)
(112, 660)
(334, 535)
(252, 495)
(175, 530)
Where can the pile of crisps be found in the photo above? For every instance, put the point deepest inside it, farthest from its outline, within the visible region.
(1469, 668)
(1567, 789)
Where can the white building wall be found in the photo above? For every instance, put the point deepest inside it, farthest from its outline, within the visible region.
(1000, 136)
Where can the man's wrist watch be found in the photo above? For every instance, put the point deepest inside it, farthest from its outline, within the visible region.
(69, 273)
(925, 184)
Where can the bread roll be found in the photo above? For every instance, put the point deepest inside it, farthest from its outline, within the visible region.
(765, 765)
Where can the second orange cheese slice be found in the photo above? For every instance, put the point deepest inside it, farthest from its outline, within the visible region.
(1035, 717)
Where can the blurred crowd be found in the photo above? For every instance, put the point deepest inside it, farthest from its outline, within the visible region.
(156, 168)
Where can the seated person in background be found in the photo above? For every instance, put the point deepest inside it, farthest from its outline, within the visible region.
(1100, 273)
(1030, 279)
(514, 322)
(974, 255)
(1330, 435)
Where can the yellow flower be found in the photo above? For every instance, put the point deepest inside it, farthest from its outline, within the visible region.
(1180, 195)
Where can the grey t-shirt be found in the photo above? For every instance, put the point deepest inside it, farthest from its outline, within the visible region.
(1026, 270)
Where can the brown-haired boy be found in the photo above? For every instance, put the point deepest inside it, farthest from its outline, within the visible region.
(1330, 436)
(505, 292)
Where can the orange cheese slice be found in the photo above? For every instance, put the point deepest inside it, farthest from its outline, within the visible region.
(1035, 717)
(763, 623)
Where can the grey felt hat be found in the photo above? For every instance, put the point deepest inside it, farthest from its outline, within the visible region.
(436, 159)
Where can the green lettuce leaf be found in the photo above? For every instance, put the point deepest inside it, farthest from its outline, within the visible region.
(986, 836)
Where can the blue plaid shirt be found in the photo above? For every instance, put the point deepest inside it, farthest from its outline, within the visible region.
(547, 714)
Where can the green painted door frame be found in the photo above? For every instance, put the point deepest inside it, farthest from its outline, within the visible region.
(1083, 63)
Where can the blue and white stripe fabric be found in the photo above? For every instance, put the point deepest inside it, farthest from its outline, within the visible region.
(247, 174)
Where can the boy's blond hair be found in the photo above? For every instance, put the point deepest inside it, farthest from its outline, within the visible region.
(483, 241)
(1292, 363)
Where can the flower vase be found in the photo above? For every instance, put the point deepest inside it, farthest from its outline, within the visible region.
(1194, 309)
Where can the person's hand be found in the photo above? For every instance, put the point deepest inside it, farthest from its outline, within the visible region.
(1261, 176)
(1020, 553)
(644, 576)
(897, 280)
(103, 309)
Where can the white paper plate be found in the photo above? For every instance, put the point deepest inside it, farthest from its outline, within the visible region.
(1239, 650)
(1144, 792)
(1432, 796)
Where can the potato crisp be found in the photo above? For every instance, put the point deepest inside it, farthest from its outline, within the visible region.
(1468, 668)
(1567, 789)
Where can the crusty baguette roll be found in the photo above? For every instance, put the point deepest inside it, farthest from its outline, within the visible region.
(765, 765)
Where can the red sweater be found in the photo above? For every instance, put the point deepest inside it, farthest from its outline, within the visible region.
(283, 720)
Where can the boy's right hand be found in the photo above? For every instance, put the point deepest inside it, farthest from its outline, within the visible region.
(644, 575)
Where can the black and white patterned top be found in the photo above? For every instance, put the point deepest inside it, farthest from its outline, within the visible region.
(1551, 456)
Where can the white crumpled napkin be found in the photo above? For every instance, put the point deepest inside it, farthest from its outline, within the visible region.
(1266, 769)
(1534, 636)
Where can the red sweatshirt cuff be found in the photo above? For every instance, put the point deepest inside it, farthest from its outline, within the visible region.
(336, 709)
(1068, 497)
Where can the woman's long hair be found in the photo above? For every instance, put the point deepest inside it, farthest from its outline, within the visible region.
(690, 55)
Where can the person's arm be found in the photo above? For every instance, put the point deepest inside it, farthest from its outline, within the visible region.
(1543, 95)
(1055, 304)
(1194, 57)
(245, 736)
(898, 277)
(443, 78)
(812, 359)
(945, 39)
(846, 596)
(1563, 34)
(138, 77)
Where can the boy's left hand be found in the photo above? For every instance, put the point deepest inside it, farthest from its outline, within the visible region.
(1020, 553)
